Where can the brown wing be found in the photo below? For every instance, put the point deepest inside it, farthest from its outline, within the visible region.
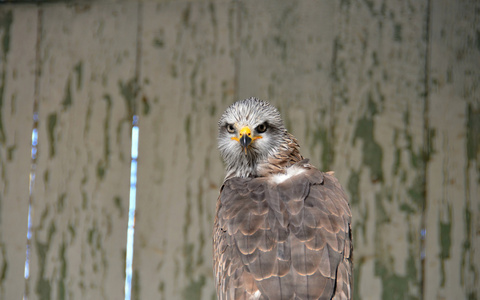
(285, 241)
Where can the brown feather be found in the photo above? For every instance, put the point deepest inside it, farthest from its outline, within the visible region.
(284, 240)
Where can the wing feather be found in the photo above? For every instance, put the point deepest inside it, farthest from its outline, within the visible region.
(283, 241)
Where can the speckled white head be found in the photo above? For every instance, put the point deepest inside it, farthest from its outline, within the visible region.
(266, 135)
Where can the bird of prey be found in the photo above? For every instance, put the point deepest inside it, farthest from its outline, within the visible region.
(282, 227)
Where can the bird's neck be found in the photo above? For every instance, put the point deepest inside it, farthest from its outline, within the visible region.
(286, 155)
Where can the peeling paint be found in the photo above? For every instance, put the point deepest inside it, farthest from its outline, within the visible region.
(67, 99)
(136, 285)
(78, 68)
(63, 272)
(353, 186)
(146, 106)
(445, 243)
(473, 136)
(321, 136)
(51, 123)
(394, 287)
(61, 202)
(129, 92)
(186, 15)
(117, 200)
(357, 279)
(4, 265)
(372, 154)
(417, 190)
(188, 132)
(381, 215)
(43, 287)
(194, 288)
(6, 20)
(397, 32)
(11, 152)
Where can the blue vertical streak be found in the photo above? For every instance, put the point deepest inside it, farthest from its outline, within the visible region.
(30, 190)
(131, 211)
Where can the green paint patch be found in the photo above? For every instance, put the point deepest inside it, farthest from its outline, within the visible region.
(61, 202)
(136, 285)
(394, 286)
(212, 109)
(4, 268)
(106, 135)
(79, 73)
(321, 136)
(188, 258)
(468, 266)
(129, 92)
(117, 201)
(194, 288)
(473, 136)
(72, 231)
(84, 200)
(357, 278)
(188, 132)
(6, 20)
(43, 287)
(397, 32)
(407, 208)
(186, 15)
(46, 177)
(372, 154)
(67, 99)
(416, 191)
(445, 240)
(11, 152)
(94, 237)
(381, 216)
(213, 18)
(158, 43)
(353, 186)
(100, 169)
(51, 124)
(145, 106)
(63, 272)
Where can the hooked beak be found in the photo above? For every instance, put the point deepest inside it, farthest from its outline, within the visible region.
(245, 138)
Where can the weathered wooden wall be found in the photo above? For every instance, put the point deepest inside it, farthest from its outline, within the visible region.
(384, 93)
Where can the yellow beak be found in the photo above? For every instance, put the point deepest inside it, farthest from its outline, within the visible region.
(245, 138)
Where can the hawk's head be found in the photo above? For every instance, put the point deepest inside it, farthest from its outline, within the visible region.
(250, 132)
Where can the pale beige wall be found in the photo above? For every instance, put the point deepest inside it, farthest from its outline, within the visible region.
(384, 93)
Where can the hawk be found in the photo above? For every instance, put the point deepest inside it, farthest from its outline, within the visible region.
(282, 227)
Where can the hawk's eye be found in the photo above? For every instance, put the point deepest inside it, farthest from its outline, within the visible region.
(262, 128)
(230, 128)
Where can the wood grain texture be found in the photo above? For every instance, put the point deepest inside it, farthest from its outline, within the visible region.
(187, 79)
(80, 197)
(453, 187)
(18, 33)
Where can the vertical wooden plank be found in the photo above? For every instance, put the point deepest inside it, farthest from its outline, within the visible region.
(378, 75)
(187, 78)
(81, 192)
(453, 210)
(18, 33)
(349, 80)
